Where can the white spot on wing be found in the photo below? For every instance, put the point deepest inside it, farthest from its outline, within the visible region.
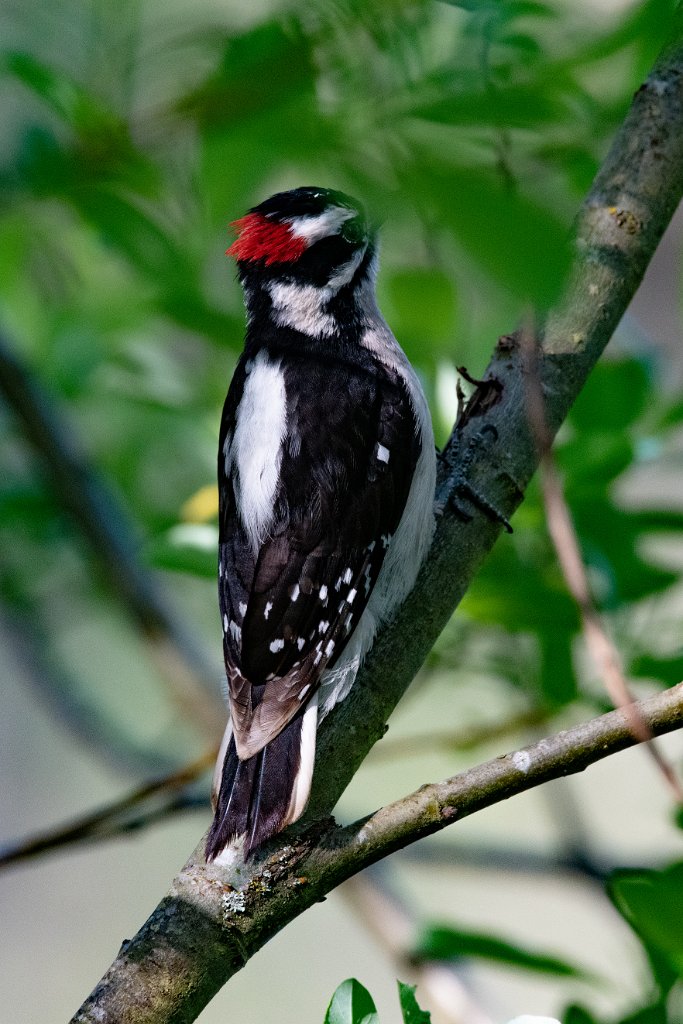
(300, 643)
(329, 648)
(243, 609)
(352, 596)
(294, 592)
(323, 626)
(323, 593)
(348, 576)
(267, 609)
(382, 453)
(368, 579)
(226, 624)
(277, 645)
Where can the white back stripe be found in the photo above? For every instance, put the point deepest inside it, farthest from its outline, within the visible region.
(256, 448)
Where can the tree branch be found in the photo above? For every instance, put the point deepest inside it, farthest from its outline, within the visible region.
(214, 920)
(116, 818)
(205, 930)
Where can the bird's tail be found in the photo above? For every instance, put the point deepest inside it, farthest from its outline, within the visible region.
(256, 798)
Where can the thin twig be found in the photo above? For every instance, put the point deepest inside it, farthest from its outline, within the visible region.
(566, 543)
(108, 821)
(59, 691)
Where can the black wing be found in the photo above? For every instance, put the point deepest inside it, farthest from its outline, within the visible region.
(289, 608)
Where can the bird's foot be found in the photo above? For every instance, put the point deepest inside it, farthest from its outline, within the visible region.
(458, 485)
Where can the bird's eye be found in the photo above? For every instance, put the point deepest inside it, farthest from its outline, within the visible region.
(353, 230)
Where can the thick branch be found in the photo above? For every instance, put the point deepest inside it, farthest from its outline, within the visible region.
(212, 921)
(205, 930)
(618, 228)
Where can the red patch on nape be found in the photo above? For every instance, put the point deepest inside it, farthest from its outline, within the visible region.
(263, 239)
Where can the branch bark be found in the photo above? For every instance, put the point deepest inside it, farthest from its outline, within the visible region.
(207, 928)
(214, 920)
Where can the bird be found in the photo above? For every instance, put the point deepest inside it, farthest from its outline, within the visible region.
(326, 473)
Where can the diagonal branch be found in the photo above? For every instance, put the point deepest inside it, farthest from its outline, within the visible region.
(617, 231)
(116, 817)
(205, 930)
(213, 921)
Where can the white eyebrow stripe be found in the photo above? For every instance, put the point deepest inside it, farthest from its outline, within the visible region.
(312, 229)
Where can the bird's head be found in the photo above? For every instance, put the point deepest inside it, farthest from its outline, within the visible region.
(312, 236)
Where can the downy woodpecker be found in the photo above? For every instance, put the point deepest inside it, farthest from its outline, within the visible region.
(326, 473)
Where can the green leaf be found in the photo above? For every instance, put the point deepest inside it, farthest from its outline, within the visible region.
(652, 903)
(672, 415)
(517, 106)
(557, 675)
(654, 1013)
(528, 9)
(522, 244)
(575, 1014)
(532, 596)
(187, 547)
(351, 1004)
(614, 396)
(474, 5)
(412, 1013)
(260, 71)
(667, 671)
(421, 307)
(442, 942)
(505, 11)
(78, 107)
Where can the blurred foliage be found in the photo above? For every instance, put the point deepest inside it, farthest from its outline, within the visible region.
(443, 942)
(132, 134)
(651, 902)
